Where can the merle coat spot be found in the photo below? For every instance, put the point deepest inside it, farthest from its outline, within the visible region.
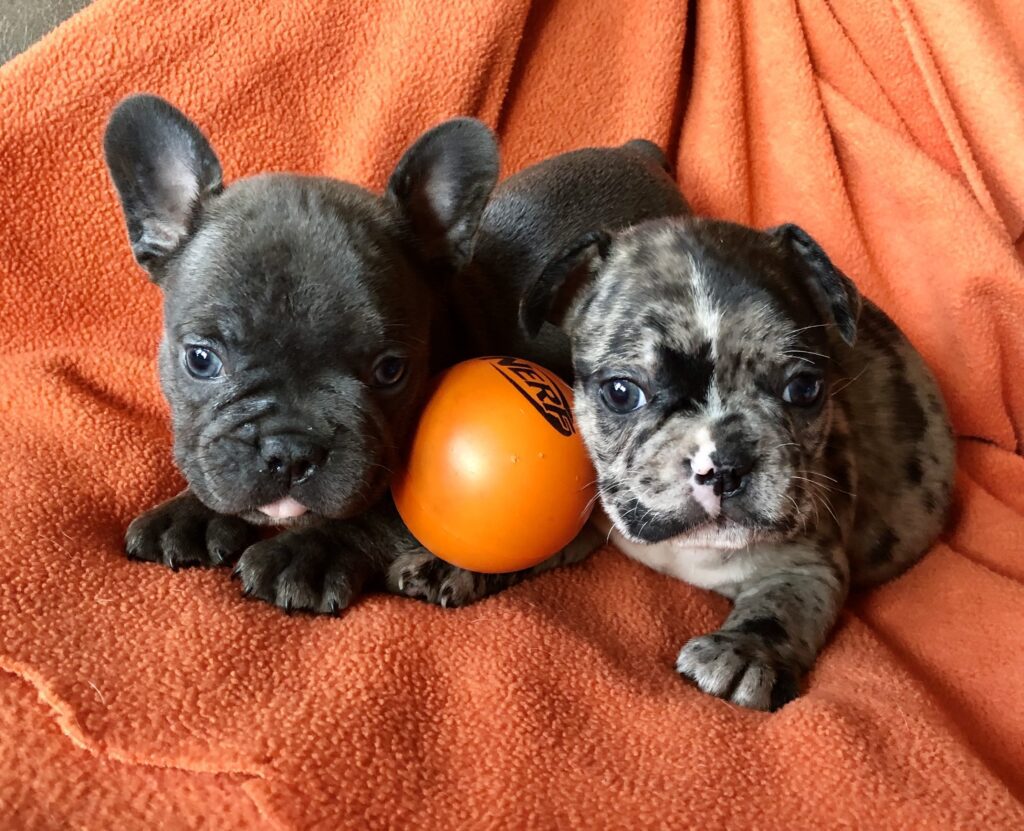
(881, 551)
(686, 377)
(647, 525)
(841, 472)
(767, 628)
(909, 420)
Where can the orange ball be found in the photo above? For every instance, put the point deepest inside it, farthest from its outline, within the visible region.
(497, 478)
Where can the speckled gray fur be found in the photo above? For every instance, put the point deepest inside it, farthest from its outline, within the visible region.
(712, 322)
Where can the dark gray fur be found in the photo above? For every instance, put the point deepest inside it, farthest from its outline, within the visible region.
(303, 286)
(716, 478)
(532, 217)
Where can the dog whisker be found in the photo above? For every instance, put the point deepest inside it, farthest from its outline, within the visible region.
(791, 335)
(590, 504)
(850, 381)
(828, 507)
(646, 521)
(822, 485)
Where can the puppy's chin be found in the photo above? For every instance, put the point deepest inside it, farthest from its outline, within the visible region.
(258, 517)
(723, 535)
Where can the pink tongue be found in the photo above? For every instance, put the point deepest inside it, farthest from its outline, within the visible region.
(286, 508)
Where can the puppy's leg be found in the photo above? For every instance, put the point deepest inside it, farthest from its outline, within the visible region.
(783, 612)
(324, 568)
(183, 532)
(320, 569)
(415, 572)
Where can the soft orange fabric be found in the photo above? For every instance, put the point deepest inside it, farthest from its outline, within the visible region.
(892, 129)
(48, 783)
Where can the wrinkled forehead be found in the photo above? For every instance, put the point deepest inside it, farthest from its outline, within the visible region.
(659, 297)
(258, 269)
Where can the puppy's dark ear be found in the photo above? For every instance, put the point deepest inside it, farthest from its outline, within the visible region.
(834, 293)
(563, 282)
(163, 169)
(442, 184)
(649, 150)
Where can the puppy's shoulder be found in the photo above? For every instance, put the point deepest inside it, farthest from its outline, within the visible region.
(903, 445)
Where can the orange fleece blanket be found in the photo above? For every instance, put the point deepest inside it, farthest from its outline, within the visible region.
(132, 697)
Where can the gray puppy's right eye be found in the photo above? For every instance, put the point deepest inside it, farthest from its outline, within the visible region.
(620, 395)
(202, 363)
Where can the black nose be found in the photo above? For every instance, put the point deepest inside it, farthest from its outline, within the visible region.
(290, 456)
(728, 479)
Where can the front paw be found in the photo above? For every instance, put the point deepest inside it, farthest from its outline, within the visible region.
(297, 572)
(740, 668)
(421, 575)
(182, 532)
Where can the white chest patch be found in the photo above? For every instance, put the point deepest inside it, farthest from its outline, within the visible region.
(719, 569)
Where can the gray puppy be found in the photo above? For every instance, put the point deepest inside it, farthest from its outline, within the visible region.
(758, 429)
(303, 319)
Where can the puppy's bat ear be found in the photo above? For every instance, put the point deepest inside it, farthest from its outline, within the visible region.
(834, 293)
(442, 184)
(163, 169)
(556, 291)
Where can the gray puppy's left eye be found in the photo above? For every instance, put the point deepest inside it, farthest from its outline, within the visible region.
(202, 363)
(389, 370)
(620, 395)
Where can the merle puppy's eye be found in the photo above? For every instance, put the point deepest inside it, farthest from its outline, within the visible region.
(620, 395)
(389, 370)
(202, 362)
(803, 390)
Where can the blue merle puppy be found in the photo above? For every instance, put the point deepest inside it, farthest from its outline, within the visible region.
(758, 429)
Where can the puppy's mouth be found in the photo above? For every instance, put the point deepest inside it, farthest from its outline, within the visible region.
(284, 513)
(719, 533)
(689, 522)
(722, 533)
(233, 481)
(291, 511)
(283, 510)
